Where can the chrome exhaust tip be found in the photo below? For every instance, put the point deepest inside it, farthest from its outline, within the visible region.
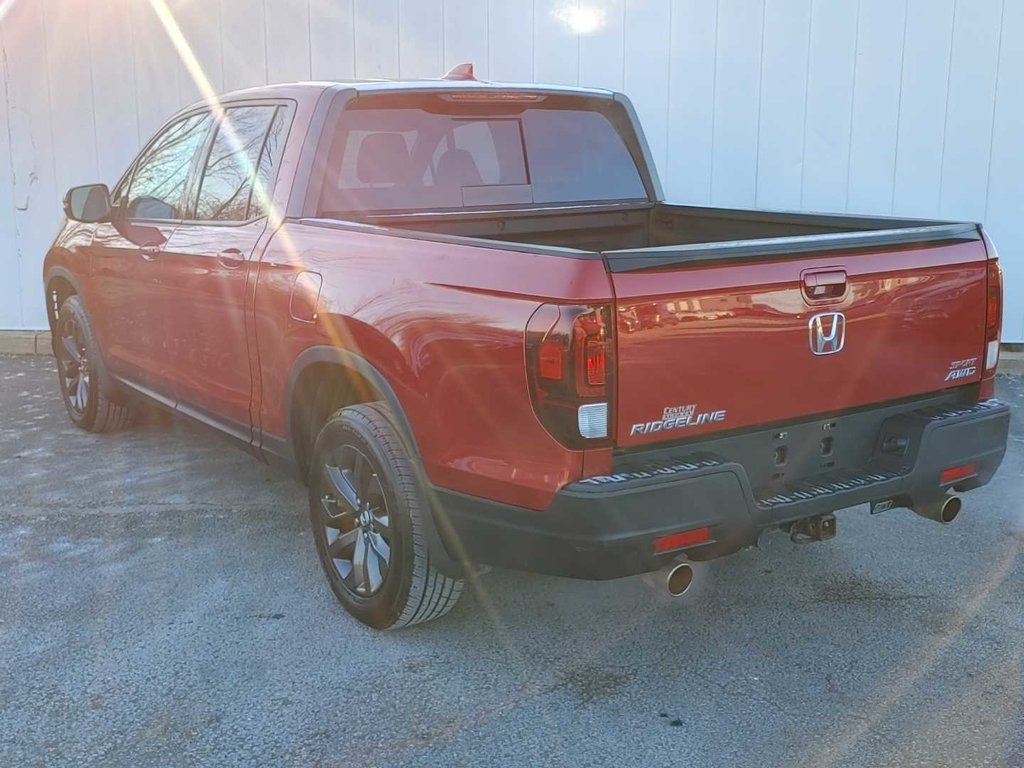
(678, 579)
(950, 509)
(945, 511)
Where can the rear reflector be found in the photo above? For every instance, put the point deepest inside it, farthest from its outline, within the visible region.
(956, 474)
(682, 539)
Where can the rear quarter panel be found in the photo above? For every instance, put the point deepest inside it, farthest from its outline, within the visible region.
(444, 324)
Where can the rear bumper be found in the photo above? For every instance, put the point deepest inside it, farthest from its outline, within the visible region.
(605, 527)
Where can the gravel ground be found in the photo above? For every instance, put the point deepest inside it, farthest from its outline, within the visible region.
(161, 604)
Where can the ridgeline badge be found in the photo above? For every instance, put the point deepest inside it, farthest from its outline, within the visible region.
(677, 417)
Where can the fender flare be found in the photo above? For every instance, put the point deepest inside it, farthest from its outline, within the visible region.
(65, 274)
(442, 560)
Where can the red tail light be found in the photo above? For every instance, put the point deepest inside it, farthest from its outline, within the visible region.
(993, 321)
(994, 306)
(569, 360)
(597, 362)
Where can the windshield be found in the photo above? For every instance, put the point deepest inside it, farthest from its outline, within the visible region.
(405, 159)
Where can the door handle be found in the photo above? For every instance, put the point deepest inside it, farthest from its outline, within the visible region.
(231, 258)
(827, 284)
(149, 252)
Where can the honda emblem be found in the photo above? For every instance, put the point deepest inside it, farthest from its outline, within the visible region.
(828, 333)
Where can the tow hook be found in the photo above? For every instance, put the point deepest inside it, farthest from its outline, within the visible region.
(818, 528)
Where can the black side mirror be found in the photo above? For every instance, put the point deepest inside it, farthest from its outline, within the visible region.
(89, 203)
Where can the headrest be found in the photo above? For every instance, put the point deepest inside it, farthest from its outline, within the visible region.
(382, 159)
(457, 168)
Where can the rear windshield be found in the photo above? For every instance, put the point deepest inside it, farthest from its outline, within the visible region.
(407, 159)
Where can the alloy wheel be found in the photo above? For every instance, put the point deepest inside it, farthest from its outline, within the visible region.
(73, 361)
(356, 522)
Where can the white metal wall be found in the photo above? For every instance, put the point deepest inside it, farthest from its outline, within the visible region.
(909, 107)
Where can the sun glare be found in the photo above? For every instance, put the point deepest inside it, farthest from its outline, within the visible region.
(583, 20)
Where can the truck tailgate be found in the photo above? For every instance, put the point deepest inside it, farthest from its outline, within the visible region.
(705, 348)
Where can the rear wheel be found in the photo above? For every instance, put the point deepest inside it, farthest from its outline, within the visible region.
(85, 387)
(366, 509)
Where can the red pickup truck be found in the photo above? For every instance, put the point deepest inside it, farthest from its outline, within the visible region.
(464, 313)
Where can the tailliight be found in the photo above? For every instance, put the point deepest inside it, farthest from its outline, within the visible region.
(993, 321)
(569, 357)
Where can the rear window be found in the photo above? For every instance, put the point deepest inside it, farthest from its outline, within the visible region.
(405, 159)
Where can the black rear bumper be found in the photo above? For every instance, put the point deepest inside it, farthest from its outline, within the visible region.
(605, 527)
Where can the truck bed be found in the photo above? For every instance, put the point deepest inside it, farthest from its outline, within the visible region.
(716, 308)
(635, 237)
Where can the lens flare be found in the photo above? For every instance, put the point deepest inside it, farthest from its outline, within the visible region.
(583, 20)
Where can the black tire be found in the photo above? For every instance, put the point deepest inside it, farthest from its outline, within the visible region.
(90, 397)
(366, 508)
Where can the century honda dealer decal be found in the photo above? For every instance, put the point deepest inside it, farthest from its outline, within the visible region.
(678, 417)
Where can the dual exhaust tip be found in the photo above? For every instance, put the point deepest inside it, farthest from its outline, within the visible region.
(678, 577)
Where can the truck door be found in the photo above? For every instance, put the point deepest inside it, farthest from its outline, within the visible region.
(126, 255)
(209, 260)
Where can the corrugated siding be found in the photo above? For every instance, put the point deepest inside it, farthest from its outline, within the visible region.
(908, 107)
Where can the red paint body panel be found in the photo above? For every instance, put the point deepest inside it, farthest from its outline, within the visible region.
(736, 338)
(444, 323)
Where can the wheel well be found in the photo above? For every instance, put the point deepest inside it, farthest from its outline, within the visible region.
(320, 391)
(57, 290)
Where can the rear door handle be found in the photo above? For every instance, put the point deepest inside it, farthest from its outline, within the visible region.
(231, 258)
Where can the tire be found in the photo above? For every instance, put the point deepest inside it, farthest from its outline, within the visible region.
(89, 395)
(366, 508)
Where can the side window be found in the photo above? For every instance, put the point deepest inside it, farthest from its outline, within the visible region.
(157, 187)
(227, 181)
(266, 174)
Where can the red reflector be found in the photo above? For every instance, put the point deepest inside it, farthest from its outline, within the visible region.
(550, 366)
(596, 362)
(954, 474)
(683, 539)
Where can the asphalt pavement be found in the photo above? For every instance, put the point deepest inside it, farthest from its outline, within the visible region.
(161, 604)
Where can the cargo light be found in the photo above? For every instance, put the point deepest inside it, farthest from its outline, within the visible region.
(506, 96)
(569, 360)
(956, 474)
(682, 540)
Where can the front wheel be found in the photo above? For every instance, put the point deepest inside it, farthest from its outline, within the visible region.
(88, 393)
(366, 508)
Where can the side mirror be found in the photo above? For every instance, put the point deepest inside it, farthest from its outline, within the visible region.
(89, 203)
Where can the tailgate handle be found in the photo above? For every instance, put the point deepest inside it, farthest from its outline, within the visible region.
(825, 285)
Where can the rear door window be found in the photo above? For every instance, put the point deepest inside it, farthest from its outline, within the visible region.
(227, 180)
(270, 161)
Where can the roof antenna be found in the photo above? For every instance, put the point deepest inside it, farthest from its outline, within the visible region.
(460, 72)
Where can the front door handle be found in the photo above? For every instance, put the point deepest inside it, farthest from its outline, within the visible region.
(231, 258)
(149, 252)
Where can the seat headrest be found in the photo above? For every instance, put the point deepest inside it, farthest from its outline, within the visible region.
(457, 168)
(383, 158)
